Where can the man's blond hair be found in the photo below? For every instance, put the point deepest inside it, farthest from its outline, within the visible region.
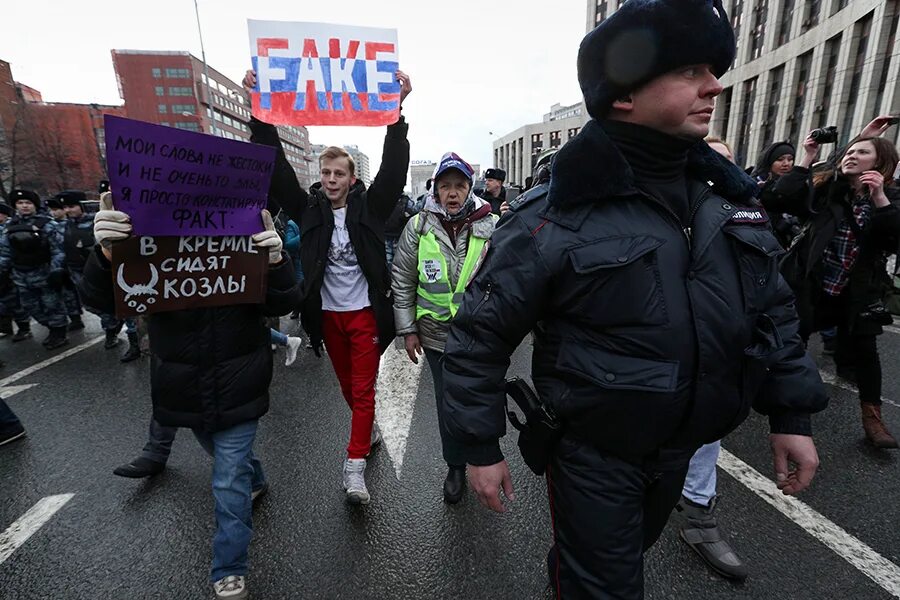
(332, 152)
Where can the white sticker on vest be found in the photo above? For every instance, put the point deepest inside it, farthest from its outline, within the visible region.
(432, 270)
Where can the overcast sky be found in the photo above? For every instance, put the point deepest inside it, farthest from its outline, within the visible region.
(477, 66)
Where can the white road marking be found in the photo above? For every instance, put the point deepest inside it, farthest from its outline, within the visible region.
(14, 389)
(862, 557)
(395, 399)
(28, 524)
(50, 361)
(834, 381)
(891, 329)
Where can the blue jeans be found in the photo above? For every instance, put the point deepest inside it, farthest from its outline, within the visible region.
(278, 337)
(236, 472)
(7, 417)
(700, 483)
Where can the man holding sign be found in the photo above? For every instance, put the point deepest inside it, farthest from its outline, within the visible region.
(347, 287)
(210, 371)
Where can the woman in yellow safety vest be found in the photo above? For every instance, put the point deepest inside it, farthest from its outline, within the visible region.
(437, 256)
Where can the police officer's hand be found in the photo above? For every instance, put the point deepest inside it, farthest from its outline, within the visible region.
(110, 225)
(487, 482)
(269, 239)
(504, 208)
(413, 347)
(800, 450)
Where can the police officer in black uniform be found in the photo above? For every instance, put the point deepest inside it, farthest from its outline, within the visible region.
(494, 192)
(650, 278)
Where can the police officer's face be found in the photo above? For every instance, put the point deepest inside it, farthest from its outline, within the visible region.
(452, 189)
(25, 207)
(3, 218)
(492, 186)
(679, 103)
(58, 213)
(74, 211)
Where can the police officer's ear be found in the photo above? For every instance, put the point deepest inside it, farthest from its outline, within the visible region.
(625, 103)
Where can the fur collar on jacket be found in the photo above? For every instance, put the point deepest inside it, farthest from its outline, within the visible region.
(433, 211)
(590, 168)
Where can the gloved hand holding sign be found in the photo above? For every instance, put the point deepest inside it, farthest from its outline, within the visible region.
(110, 225)
(268, 239)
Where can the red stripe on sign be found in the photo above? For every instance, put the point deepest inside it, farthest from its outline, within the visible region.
(334, 48)
(263, 45)
(373, 48)
(309, 49)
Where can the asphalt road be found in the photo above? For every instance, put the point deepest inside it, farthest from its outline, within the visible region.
(126, 539)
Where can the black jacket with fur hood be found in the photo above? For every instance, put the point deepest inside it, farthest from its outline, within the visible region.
(648, 336)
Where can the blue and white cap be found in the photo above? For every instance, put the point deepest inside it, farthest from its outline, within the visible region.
(452, 160)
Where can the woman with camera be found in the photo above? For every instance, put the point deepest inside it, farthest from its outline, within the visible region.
(837, 264)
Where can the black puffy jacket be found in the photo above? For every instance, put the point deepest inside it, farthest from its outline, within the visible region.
(210, 367)
(367, 212)
(647, 336)
(823, 211)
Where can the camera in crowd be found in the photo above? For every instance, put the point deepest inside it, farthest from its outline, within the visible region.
(825, 135)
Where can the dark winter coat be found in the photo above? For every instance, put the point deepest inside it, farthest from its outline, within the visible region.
(494, 202)
(647, 335)
(367, 212)
(823, 212)
(210, 367)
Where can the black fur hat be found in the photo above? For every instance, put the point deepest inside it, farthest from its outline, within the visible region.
(494, 173)
(647, 38)
(20, 194)
(71, 197)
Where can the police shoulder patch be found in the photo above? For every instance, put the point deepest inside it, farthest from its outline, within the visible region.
(525, 198)
(755, 215)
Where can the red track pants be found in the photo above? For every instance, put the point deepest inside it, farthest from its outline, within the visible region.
(351, 339)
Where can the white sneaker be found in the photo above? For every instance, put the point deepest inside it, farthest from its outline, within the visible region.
(376, 439)
(293, 344)
(232, 587)
(355, 481)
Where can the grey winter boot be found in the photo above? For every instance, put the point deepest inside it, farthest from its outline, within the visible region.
(701, 533)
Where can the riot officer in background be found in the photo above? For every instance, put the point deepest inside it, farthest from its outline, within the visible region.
(69, 294)
(31, 250)
(10, 308)
(78, 239)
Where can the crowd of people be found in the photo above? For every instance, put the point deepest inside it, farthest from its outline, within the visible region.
(666, 291)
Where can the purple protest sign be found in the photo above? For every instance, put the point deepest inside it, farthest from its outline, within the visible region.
(175, 182)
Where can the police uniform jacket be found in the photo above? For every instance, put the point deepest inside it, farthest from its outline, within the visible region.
(648, 334)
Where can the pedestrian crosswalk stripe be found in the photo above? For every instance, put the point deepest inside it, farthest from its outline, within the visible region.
(52, 360)
(865, 559)
(28, 524)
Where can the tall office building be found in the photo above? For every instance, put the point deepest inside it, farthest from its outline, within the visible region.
(170, 88)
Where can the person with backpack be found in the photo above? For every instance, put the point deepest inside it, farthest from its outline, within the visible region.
(837, 266)
(438, 254)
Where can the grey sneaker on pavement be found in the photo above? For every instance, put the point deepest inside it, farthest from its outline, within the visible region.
(232, 587)
(355, 481)
(701, 533)
(293, 344)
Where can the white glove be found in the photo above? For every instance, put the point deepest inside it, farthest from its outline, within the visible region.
(110, 225)
(269, 239)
